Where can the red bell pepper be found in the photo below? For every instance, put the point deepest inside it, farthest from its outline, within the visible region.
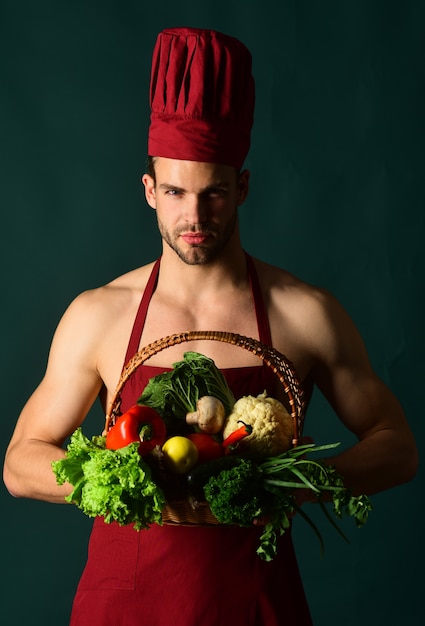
(139, 423)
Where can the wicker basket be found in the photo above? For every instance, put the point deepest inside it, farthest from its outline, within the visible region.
(184, 511)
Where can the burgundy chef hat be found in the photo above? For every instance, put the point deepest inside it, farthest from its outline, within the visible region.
(201, 97)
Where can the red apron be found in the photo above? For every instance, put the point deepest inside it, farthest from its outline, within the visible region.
(189, 576)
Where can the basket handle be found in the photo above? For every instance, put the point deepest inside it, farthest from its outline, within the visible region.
(277, 362)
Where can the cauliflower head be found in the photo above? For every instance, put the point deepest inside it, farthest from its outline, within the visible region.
(272, 429)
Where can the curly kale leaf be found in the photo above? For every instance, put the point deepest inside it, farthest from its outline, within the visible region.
(236, 495)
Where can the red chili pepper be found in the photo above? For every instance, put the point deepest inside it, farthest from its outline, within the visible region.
(140, 423)
(237, 435)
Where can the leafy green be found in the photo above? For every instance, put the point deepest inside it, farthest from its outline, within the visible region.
(241, 494)
(176, 392)
(234, 495)
(115, 484)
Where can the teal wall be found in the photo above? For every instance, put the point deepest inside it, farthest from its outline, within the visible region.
(337, 197)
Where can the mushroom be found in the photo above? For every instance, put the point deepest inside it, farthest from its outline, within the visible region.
(209, 416)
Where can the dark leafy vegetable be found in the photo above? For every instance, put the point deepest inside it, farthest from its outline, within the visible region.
(198, 477)
(115, 484)
(176, 392)
(235, 494)
(249, 491)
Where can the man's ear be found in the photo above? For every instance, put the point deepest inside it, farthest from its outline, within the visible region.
(243, 186)
(149, 185)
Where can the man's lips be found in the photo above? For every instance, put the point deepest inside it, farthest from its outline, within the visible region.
(195, 238)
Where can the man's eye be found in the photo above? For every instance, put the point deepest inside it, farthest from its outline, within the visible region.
(173, 192)
(216, 192)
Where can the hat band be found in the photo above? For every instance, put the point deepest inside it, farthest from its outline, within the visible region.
(193, 139)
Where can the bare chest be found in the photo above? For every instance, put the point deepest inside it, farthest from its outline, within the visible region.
(235, 316)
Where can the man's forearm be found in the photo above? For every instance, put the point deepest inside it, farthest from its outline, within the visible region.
(28, 471)
(377, 463)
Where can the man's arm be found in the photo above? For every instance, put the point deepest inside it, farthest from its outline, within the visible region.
(386, 453)
(56, 408)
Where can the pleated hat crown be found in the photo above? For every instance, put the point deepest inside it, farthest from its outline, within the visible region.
(201, 96)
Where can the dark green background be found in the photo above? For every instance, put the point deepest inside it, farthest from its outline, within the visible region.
(337, 197)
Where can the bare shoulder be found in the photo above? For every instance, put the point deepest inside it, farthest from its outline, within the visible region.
(113, 300)
(96, 326)
(294, 299)
(307, 321)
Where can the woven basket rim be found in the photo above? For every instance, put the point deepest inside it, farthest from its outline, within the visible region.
(277, 361)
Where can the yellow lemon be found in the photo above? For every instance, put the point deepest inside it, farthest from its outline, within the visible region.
(180, 454)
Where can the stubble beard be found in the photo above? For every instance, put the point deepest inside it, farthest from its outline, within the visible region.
(200, 254)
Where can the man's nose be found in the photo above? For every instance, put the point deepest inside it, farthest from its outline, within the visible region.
(195, 209)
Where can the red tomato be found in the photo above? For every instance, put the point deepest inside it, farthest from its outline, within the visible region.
(208, 447)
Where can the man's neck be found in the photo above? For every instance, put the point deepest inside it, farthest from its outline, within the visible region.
(227, 272)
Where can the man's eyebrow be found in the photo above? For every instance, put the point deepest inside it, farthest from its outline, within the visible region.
(167, 187)
(219, 184)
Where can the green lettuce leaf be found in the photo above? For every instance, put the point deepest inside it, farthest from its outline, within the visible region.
(115, 484)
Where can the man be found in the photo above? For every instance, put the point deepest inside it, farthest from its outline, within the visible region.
(202, 97)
